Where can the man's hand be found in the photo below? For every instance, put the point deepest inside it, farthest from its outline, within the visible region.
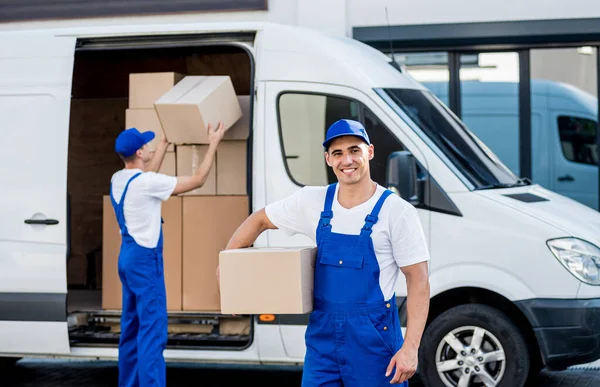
(215, 135)
(405, 361)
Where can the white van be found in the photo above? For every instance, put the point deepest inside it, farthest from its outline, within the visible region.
(514, 271)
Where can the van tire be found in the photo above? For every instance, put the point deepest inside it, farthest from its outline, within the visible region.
(499, 333)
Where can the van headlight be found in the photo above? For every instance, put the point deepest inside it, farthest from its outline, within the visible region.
(581, 258)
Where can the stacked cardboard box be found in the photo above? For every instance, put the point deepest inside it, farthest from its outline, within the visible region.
(181, 107)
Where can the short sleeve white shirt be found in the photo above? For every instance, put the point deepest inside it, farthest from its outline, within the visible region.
(398, 236)
(143, 202)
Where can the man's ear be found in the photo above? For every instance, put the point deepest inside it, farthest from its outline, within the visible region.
(371, 151)
(327, 158)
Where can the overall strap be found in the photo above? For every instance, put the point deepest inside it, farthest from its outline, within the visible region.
(373, 217)
(118, 207)
(127, 187)
(327, 214)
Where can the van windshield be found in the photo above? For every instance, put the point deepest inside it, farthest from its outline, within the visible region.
(444, 131)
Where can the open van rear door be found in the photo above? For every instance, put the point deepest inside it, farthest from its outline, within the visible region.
(35, 87)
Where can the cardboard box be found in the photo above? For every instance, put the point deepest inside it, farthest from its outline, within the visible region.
(172, 255)
(275, 280)
(146, 88)
(169, 164)
(189, 158)
(186, 110)
(208, 223)
(144, 120)
(241, 129)
(231, 168)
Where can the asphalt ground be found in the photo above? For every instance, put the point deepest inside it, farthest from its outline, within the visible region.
(55, 373)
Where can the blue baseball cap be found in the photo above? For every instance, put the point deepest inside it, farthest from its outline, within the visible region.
(130, 140)
(345, 128)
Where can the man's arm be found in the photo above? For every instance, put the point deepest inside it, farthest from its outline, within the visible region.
(197, 180)
(159, 154)
(407, 358)
(247, 233)
(417, 303)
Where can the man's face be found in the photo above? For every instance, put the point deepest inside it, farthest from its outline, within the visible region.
(349, 157)
(145, 154)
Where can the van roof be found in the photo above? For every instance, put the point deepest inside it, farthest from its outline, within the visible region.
(287, 53)
(570, 93)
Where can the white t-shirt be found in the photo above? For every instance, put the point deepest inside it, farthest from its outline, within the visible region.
(142, 206)
(398, 236)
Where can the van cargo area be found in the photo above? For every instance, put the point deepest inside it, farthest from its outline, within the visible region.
(100, 98)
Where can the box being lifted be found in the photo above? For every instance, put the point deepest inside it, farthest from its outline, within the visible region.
(186, 110)
(267, 280)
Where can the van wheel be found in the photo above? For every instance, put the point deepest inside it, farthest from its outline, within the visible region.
(473, 345)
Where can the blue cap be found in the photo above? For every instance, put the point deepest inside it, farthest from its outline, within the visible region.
(345, 128)
(130, 140)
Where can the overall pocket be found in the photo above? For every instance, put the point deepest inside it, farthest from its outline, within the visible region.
(384, 328)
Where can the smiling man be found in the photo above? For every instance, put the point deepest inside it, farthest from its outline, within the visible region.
(365, 237)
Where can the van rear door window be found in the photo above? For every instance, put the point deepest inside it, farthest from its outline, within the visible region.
(578, 139)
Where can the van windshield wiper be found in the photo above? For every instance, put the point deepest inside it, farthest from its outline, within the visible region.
(519, 183)
(498, 185)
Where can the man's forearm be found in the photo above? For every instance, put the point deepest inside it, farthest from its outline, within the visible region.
(159, 155)
(247, 233)
(418, 309)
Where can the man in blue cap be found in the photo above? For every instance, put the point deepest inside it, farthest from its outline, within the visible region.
(137, 193)
(365, 237)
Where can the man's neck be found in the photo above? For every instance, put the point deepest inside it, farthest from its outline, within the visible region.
(352, 195)
(138, 164)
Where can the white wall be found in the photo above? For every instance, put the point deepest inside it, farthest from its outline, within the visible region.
(339, 16)
(372, 12)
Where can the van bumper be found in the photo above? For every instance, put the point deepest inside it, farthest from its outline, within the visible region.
(567, 331)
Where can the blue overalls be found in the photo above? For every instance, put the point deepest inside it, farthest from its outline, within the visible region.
(353, 332)
(144, 315)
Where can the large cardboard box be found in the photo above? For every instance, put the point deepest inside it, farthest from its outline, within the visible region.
(146, 88)
(186, 110)
(267, 280)
(231, 168)
(144, 120)
(169, 164)
(208, 224)
(241, 129)
(172, 254)
(189, 158)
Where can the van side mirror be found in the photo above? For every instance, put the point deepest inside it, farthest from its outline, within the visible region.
(401, 176)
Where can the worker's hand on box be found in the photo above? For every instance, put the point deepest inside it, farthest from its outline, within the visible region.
(163, 138)
(218, 276)
(215, 135)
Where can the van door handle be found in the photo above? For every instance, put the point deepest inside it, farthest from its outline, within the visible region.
(566, 178)
(49, 222)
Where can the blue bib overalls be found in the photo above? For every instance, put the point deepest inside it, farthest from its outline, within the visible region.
(353, 332)
(144, 315)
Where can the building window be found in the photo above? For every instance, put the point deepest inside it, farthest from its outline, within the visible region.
(304, 119)
(578, 139)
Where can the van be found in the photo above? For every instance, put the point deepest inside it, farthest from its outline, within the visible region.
(563, 131)
(514, 266)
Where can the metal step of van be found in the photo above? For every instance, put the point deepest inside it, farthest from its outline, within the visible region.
(185, 330)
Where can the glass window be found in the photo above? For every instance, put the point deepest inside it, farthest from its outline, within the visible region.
(578, 139)
(448, 134)
(304, 119)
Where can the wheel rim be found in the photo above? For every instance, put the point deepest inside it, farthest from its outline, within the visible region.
(470, 356)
